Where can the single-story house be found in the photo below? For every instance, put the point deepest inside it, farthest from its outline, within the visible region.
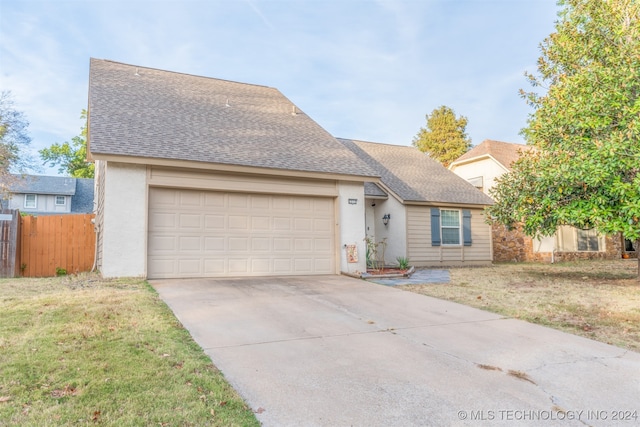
(202, 177)
(432, 216)
(46, 195)
(489, 160)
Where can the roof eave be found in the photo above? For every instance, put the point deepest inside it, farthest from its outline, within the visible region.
(224, 167)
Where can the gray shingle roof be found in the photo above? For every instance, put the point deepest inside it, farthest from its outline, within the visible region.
(35, 184)
(144, 112)
(373, 190)
(82, 201)
(414, 177)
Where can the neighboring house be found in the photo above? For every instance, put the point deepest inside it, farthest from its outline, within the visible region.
(201, 177)
(489, 160)
(45, 195)
(433, 217)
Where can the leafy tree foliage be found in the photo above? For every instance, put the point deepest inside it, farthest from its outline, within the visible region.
(13, 140)
(584, 169)
(444, 138)
(71, 157)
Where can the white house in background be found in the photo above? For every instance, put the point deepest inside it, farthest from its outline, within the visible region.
(201, 177)
(487, 161)
(42, 195)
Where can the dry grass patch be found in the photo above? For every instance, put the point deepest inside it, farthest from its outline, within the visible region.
(79, 350)
(595, 299)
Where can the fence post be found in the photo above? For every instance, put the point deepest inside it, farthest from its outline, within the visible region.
(9, 243)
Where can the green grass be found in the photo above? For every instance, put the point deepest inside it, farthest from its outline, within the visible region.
(83, 351)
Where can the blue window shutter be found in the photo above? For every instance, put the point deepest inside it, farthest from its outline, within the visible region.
(466, 226)
(435, 227)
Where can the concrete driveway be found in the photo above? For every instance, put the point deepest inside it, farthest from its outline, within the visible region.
(337, 351)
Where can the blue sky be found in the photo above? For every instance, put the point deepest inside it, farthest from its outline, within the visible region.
(362, 69)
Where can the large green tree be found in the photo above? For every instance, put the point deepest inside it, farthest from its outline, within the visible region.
(13, 140)
(584, 169)
(444, 138)
(71, 157)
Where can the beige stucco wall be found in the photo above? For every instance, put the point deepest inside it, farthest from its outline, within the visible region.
(124, 228)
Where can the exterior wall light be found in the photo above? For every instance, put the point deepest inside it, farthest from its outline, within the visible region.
(386, 218)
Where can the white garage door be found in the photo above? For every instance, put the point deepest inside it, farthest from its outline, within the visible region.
(196, 233)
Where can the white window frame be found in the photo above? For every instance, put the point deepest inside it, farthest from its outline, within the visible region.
(28, 202)
(451, 227)
(63, 199)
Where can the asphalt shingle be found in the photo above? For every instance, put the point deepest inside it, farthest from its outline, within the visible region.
(150, 113)
(36, 184)
(504, 152)
(413, 176)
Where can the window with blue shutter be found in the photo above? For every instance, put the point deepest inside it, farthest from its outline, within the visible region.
(466, 226)
(435, 227)
(449, 228)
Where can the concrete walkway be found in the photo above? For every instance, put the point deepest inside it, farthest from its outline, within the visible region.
(419, 277)
(337, 351)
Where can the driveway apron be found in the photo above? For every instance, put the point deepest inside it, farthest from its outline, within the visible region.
(337, 351)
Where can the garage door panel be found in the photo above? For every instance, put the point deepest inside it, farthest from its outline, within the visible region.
(303, 245)
(238, 244)
(214, 244)
(303, 225)
(189, 243)
(322, 245)
(238, 201)
(238, 266)
(159, 244)
(190, 199)
(282, 245)
(261, 265)
(214, 200)
(215, 266)
(238, 222)
(163, 267)
(303, 265)
(166, 220)
(189, 267)
(259, 244)
(321, 226)
(190, 221)
(260, 223)
(224, 234)
(281, 224)
(214, 222)
(323, 266)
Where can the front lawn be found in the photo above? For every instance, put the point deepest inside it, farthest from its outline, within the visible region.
(596, 299)
(79, 350)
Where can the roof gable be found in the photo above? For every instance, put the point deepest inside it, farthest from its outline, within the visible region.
(413, 176)
(504, 153)
(149, 113)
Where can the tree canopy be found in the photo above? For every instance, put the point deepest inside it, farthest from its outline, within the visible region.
(14, 138)
(444, 138)
(584, 169)
(71, 157)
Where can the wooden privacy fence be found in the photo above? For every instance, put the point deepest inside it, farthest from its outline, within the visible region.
(56, 244)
